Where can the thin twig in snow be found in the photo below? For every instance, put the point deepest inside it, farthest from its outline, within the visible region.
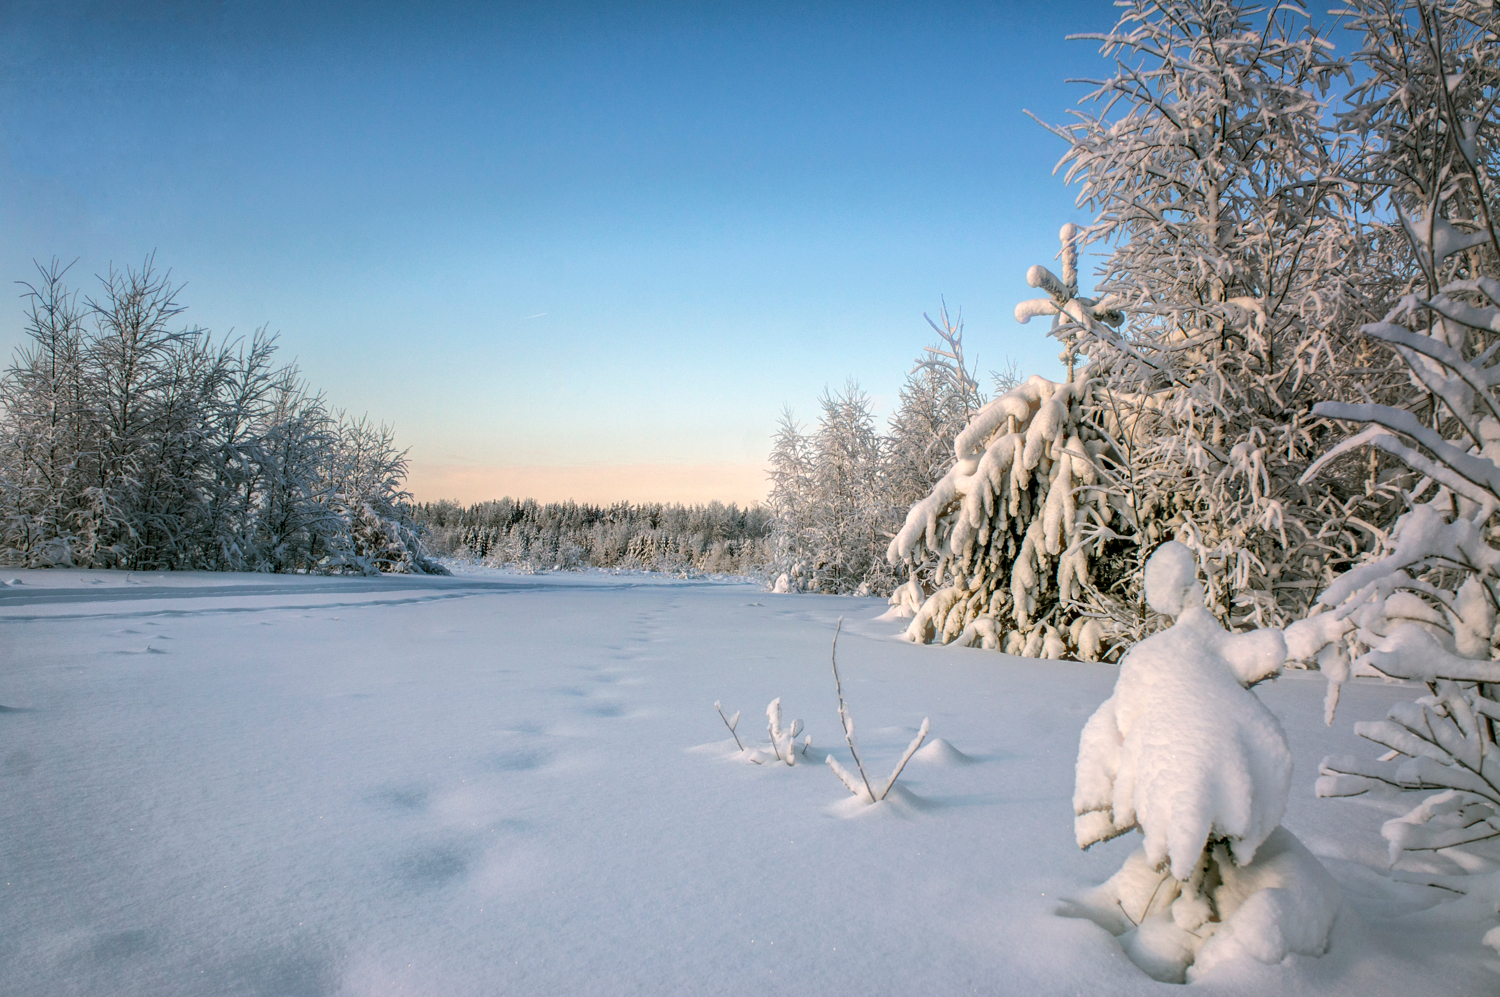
(731, 726)
(844, 718)
(911, 749)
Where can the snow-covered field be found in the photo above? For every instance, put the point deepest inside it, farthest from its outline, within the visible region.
(494, 784)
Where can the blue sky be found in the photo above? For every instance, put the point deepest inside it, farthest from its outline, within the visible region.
(568, 250)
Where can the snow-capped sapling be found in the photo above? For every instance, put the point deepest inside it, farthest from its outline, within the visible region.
(1187, 754)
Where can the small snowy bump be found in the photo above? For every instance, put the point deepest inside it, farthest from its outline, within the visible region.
(940, 752)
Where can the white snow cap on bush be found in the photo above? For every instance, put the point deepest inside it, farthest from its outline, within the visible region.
(1182, 749)
(1172, 579)
(1187, 754)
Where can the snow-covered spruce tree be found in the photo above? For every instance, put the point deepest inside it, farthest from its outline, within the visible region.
(1222, 313)
(1185, 752)
(994, 553)
(1425, 608)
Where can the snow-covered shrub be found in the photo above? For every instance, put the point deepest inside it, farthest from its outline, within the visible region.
(1184, 752)
(1424, 609)
(783, 739)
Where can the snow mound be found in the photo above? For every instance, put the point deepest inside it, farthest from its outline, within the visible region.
(940, 752)
(1281, 904)
(725, 749)
(898, 802)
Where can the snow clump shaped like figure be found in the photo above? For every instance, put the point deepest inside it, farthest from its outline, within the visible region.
(1184, 752)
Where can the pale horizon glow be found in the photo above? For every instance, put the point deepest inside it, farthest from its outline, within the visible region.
(743, 484)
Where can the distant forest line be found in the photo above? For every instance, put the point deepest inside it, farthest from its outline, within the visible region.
(533, 536)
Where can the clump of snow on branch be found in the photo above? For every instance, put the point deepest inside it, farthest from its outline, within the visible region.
(1185, 753)
(783, 738)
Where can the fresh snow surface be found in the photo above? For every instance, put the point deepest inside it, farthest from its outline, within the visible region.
(500, 783)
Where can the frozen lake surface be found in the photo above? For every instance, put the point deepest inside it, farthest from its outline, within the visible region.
(494, 784)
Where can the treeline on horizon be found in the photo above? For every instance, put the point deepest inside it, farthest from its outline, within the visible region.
(523, 533)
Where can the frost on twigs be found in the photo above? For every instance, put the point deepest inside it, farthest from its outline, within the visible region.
(783, 745)
(783, 739)
(860, 786)
(731, 723)
(1422, 607)
(1223, 309)
(1185, 753)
